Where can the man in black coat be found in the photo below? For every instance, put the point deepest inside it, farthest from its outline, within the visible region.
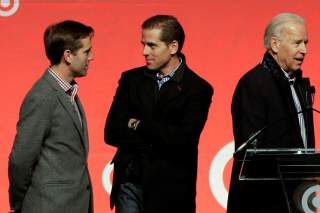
(155, 121)
(274, 96)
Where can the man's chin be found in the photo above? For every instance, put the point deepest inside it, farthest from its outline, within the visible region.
(295, 69)
(81, 74)
(150, 67)
(298, 67)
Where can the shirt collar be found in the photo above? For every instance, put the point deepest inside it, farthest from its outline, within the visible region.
(66, 86)
(170, 75)
(290, 78)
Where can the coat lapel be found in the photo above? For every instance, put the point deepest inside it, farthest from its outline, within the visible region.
(172, 88)
(148, 89)
(147, 92)
(84, 126)
(284, 90)
(64, 99)
(169, 91)
(66, 103)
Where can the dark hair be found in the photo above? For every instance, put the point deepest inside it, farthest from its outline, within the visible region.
(63, 36)
(170, 28)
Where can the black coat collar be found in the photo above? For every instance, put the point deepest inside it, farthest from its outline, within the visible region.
(270, 64)
(177, 77)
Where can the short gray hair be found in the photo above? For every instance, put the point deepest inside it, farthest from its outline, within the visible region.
(277, 24)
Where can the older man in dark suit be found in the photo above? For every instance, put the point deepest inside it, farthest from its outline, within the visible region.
(48, 168)
(272, 96)
(155, 121)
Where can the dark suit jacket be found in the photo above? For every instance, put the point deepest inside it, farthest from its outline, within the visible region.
(263, 98)
(48, 168)
(163, 149)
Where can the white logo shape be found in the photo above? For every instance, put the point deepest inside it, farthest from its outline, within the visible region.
(216, 173)
(4, 7)
(106, 177)
(308, 195)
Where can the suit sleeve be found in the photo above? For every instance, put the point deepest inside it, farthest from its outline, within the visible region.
(248, 111)
(116, 131)
(188, 129)
(32, 128)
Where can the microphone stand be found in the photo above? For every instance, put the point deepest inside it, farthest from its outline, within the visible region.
(252, 140)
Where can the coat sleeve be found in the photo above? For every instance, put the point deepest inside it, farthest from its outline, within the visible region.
(248, 111)
(32, 128)
(188, 129)
(116, 131)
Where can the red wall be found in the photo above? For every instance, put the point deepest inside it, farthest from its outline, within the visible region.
(223, 41)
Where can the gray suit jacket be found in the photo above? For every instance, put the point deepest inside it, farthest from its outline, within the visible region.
(48, 170)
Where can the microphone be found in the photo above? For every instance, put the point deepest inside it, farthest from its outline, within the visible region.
(313, 109)
(310, 91)
(250, 140)
(253, 138)
(310, 94)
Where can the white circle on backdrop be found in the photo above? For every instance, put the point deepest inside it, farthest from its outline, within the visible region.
(215, 175)
(309, 194)
(217, 167)
(6, 3)
(106, 177)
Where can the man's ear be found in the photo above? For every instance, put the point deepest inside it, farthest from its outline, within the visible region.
(67, 56)
(275, 44)
(174, 46)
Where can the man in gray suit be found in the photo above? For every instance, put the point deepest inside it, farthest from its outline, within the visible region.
(48, 170)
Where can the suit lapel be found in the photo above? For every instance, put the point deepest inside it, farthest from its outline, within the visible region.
(66, 103)
(64, 99)
(84, 126)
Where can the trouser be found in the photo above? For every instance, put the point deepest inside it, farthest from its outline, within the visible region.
(129, 198)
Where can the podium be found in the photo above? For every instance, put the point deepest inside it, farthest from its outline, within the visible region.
(297, 171)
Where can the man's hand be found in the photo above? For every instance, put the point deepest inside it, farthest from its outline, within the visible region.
(133, 123)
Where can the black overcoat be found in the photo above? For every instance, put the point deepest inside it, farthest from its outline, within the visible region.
(164, 146)
(261, 99)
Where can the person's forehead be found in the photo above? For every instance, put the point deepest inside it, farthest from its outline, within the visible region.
(86, 40)
(152, 35)
(292, 26)
(294, 29)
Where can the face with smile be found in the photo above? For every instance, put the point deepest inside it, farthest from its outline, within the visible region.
(158, 54)
(291, 48)
(80, 59)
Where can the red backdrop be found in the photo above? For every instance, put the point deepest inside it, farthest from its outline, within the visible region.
(223, 41)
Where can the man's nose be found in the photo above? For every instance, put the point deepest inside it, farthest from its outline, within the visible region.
(303, 48)
(91, 56)
(146, 50)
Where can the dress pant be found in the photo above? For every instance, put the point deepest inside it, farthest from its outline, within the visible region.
(129, 198)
